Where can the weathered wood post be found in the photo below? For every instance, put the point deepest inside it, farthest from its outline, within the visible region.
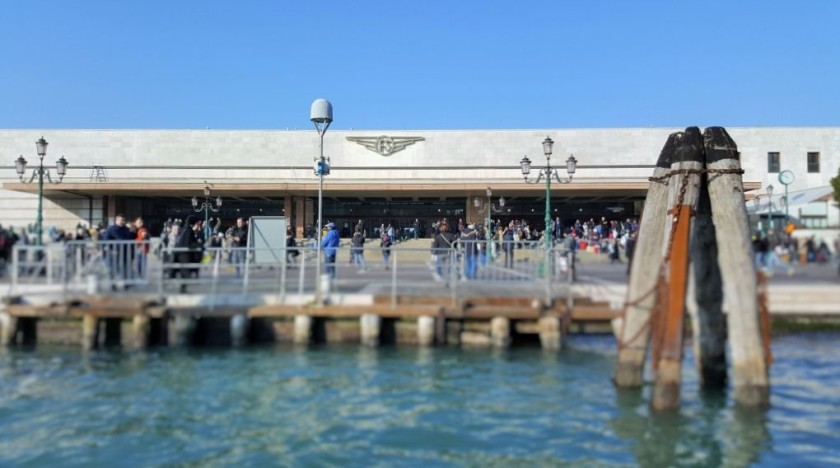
(550, 333)
(140, 327)
(90, 332)
(303, 329)
(683, 193)
(706, 297)
(371, 324)
(644, 274)
(426, 330)
(500, 332)
(8, 328)
(749, 368)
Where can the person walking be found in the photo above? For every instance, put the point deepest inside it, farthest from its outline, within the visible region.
(188, 251)
(468, 240)
(443, 248)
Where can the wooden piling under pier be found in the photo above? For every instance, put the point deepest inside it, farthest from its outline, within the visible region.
(141, 322)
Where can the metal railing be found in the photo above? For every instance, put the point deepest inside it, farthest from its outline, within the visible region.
(130, 267)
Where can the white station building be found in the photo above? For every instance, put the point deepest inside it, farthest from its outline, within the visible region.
(389, 176)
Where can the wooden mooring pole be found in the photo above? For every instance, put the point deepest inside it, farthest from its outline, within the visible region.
(749, 365)
(644, 273)
(683, 192)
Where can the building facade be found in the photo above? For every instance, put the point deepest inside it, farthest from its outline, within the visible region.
(383, 176)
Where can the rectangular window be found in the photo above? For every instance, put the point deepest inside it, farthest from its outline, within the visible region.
(813, 162)
(773, 162)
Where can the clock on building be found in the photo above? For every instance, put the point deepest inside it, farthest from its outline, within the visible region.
(786, 177)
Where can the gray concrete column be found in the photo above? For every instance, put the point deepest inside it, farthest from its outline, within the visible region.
(239, 325)
(182, 331)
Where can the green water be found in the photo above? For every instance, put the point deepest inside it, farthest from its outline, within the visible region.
(400, 406)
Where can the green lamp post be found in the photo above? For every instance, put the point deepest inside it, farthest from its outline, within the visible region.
(548, 172)
(41, 172)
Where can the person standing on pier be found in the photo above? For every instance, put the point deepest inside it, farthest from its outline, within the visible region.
(385, 242)
(329, 244)
(238, 242)
(358, 250)
(142, 240)
(443, 248)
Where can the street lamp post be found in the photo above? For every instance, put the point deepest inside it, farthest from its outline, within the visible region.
(490, 208)
(786, 178)
(207, 207)
(321, 115)
(41, 172)
(548, 172)
(770, 206)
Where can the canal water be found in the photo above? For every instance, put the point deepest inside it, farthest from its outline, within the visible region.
(400, 406)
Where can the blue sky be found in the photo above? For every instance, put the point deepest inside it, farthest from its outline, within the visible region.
(419, 65)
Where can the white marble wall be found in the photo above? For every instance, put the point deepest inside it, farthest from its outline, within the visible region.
(178, 156)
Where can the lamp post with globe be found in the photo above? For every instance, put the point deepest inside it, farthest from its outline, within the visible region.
(41, 172)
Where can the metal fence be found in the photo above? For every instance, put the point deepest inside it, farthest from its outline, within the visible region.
(130, 267)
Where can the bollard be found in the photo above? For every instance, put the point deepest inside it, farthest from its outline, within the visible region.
(183, 330)
(140, 326)
(238, 330)
(8, 329)
(303, 329)
(90, 332)
(500, 332)
(371, 325)
(550, 335)
(326, 283)
(426, 330)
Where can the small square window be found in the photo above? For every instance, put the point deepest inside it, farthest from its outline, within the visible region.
(773, 162)
(813, 162)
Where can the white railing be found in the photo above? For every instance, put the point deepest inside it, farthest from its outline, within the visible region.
(129, 267)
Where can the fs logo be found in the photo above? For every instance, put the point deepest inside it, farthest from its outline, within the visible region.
(385, 145)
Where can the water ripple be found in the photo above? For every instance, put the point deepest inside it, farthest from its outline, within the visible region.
(346, 405)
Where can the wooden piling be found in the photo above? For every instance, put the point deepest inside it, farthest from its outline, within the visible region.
(371, 325)
(140, 327)
(644, 274)
(90, 332)
(8, 329)
(302, 330)
(683, 193)
(550, 333)
(426, 330)
(749, 368)
(500, 332)
(706, 297)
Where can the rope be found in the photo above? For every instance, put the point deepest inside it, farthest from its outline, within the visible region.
(660, 288)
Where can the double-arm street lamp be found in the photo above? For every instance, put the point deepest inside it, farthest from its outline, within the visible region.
(548, 172)
(489, 208)
(207, 207)
(41, 172)
(321, 114)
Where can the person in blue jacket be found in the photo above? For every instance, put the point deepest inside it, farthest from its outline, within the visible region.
(329, 244)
